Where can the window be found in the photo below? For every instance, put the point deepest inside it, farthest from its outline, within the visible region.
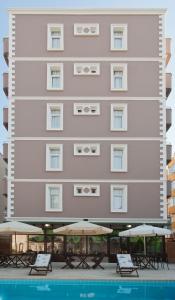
(119, 117)
(55, 77)
(118, 198)
(119, 37)
(54, 116)
(118, 77)
(86, 29)
(87, 149)
(86, 109)
(55, 37)
(54, 157)
(118, 158)
(87, 69)
(54, 197)
(86, 190)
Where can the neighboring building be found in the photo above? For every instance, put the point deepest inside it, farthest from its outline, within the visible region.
(87, 96)
(3, 196)
(171, 192)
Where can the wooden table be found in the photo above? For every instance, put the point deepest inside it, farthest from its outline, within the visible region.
(82, 260)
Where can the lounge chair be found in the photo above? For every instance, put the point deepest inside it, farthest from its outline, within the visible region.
(41, 265)
(125, 265)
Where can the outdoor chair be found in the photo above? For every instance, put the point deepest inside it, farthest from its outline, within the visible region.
(41, 265)
(97, 261)
(125, 265)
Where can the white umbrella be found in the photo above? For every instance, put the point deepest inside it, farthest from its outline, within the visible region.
(15, 227)
(82, 228)
(145, 230)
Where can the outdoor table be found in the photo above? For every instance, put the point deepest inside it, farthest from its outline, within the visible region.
(16, 259)
(145, 261)
(68, 258)
(82, 261)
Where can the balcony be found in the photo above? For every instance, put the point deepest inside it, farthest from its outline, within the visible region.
(6, 49)
(171, 210)
(5, 83)
(168, 83)
(5, 152)
(5, 117)
(168, 153)
(168, 118)
(4, 186)
(168, 189)
(168, 50)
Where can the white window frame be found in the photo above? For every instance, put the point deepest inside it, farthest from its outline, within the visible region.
(86, 25)
(84, 146)
(125, 151)
(88, 186)
(86, 65)
(54, 146)
(88, 107)
(123, 67)
(124, 28)
(51, 66)
(125, 198)
(124, 108)
(48, 117)
(47, 197)
(50, 27)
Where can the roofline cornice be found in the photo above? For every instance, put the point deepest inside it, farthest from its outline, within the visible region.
(89, 11)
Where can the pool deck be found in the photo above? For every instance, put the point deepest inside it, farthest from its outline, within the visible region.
(109, 273)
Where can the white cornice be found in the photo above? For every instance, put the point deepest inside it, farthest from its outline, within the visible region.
(89, 11)
(95, 220)
(87, 59)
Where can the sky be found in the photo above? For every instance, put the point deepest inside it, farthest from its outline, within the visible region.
(170, 32)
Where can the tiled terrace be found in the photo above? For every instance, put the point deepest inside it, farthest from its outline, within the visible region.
(108, 273)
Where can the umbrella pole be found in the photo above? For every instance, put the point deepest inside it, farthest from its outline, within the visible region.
(144, 239)
(15, 244)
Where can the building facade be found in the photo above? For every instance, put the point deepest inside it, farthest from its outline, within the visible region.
(3, 196)
(87, 114)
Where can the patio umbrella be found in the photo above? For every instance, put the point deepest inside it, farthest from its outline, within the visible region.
(82, 228)
(145, 230)
(15, 227)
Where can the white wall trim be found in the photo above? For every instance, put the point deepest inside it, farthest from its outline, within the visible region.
(83, 29)
(11, 87)
(82, 98)
(89, 11)
(87, 139)
(86, 109)
(80, 180)
(87, 149)
(86, 69)
(86, 190)
(95, 220)
(87, 59)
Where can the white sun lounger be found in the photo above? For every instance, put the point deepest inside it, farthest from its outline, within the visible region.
(125, 265)
(41, 265)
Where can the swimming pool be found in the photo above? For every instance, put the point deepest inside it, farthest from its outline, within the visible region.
(95, 290)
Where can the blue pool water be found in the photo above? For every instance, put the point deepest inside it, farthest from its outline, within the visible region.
(86, 290)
